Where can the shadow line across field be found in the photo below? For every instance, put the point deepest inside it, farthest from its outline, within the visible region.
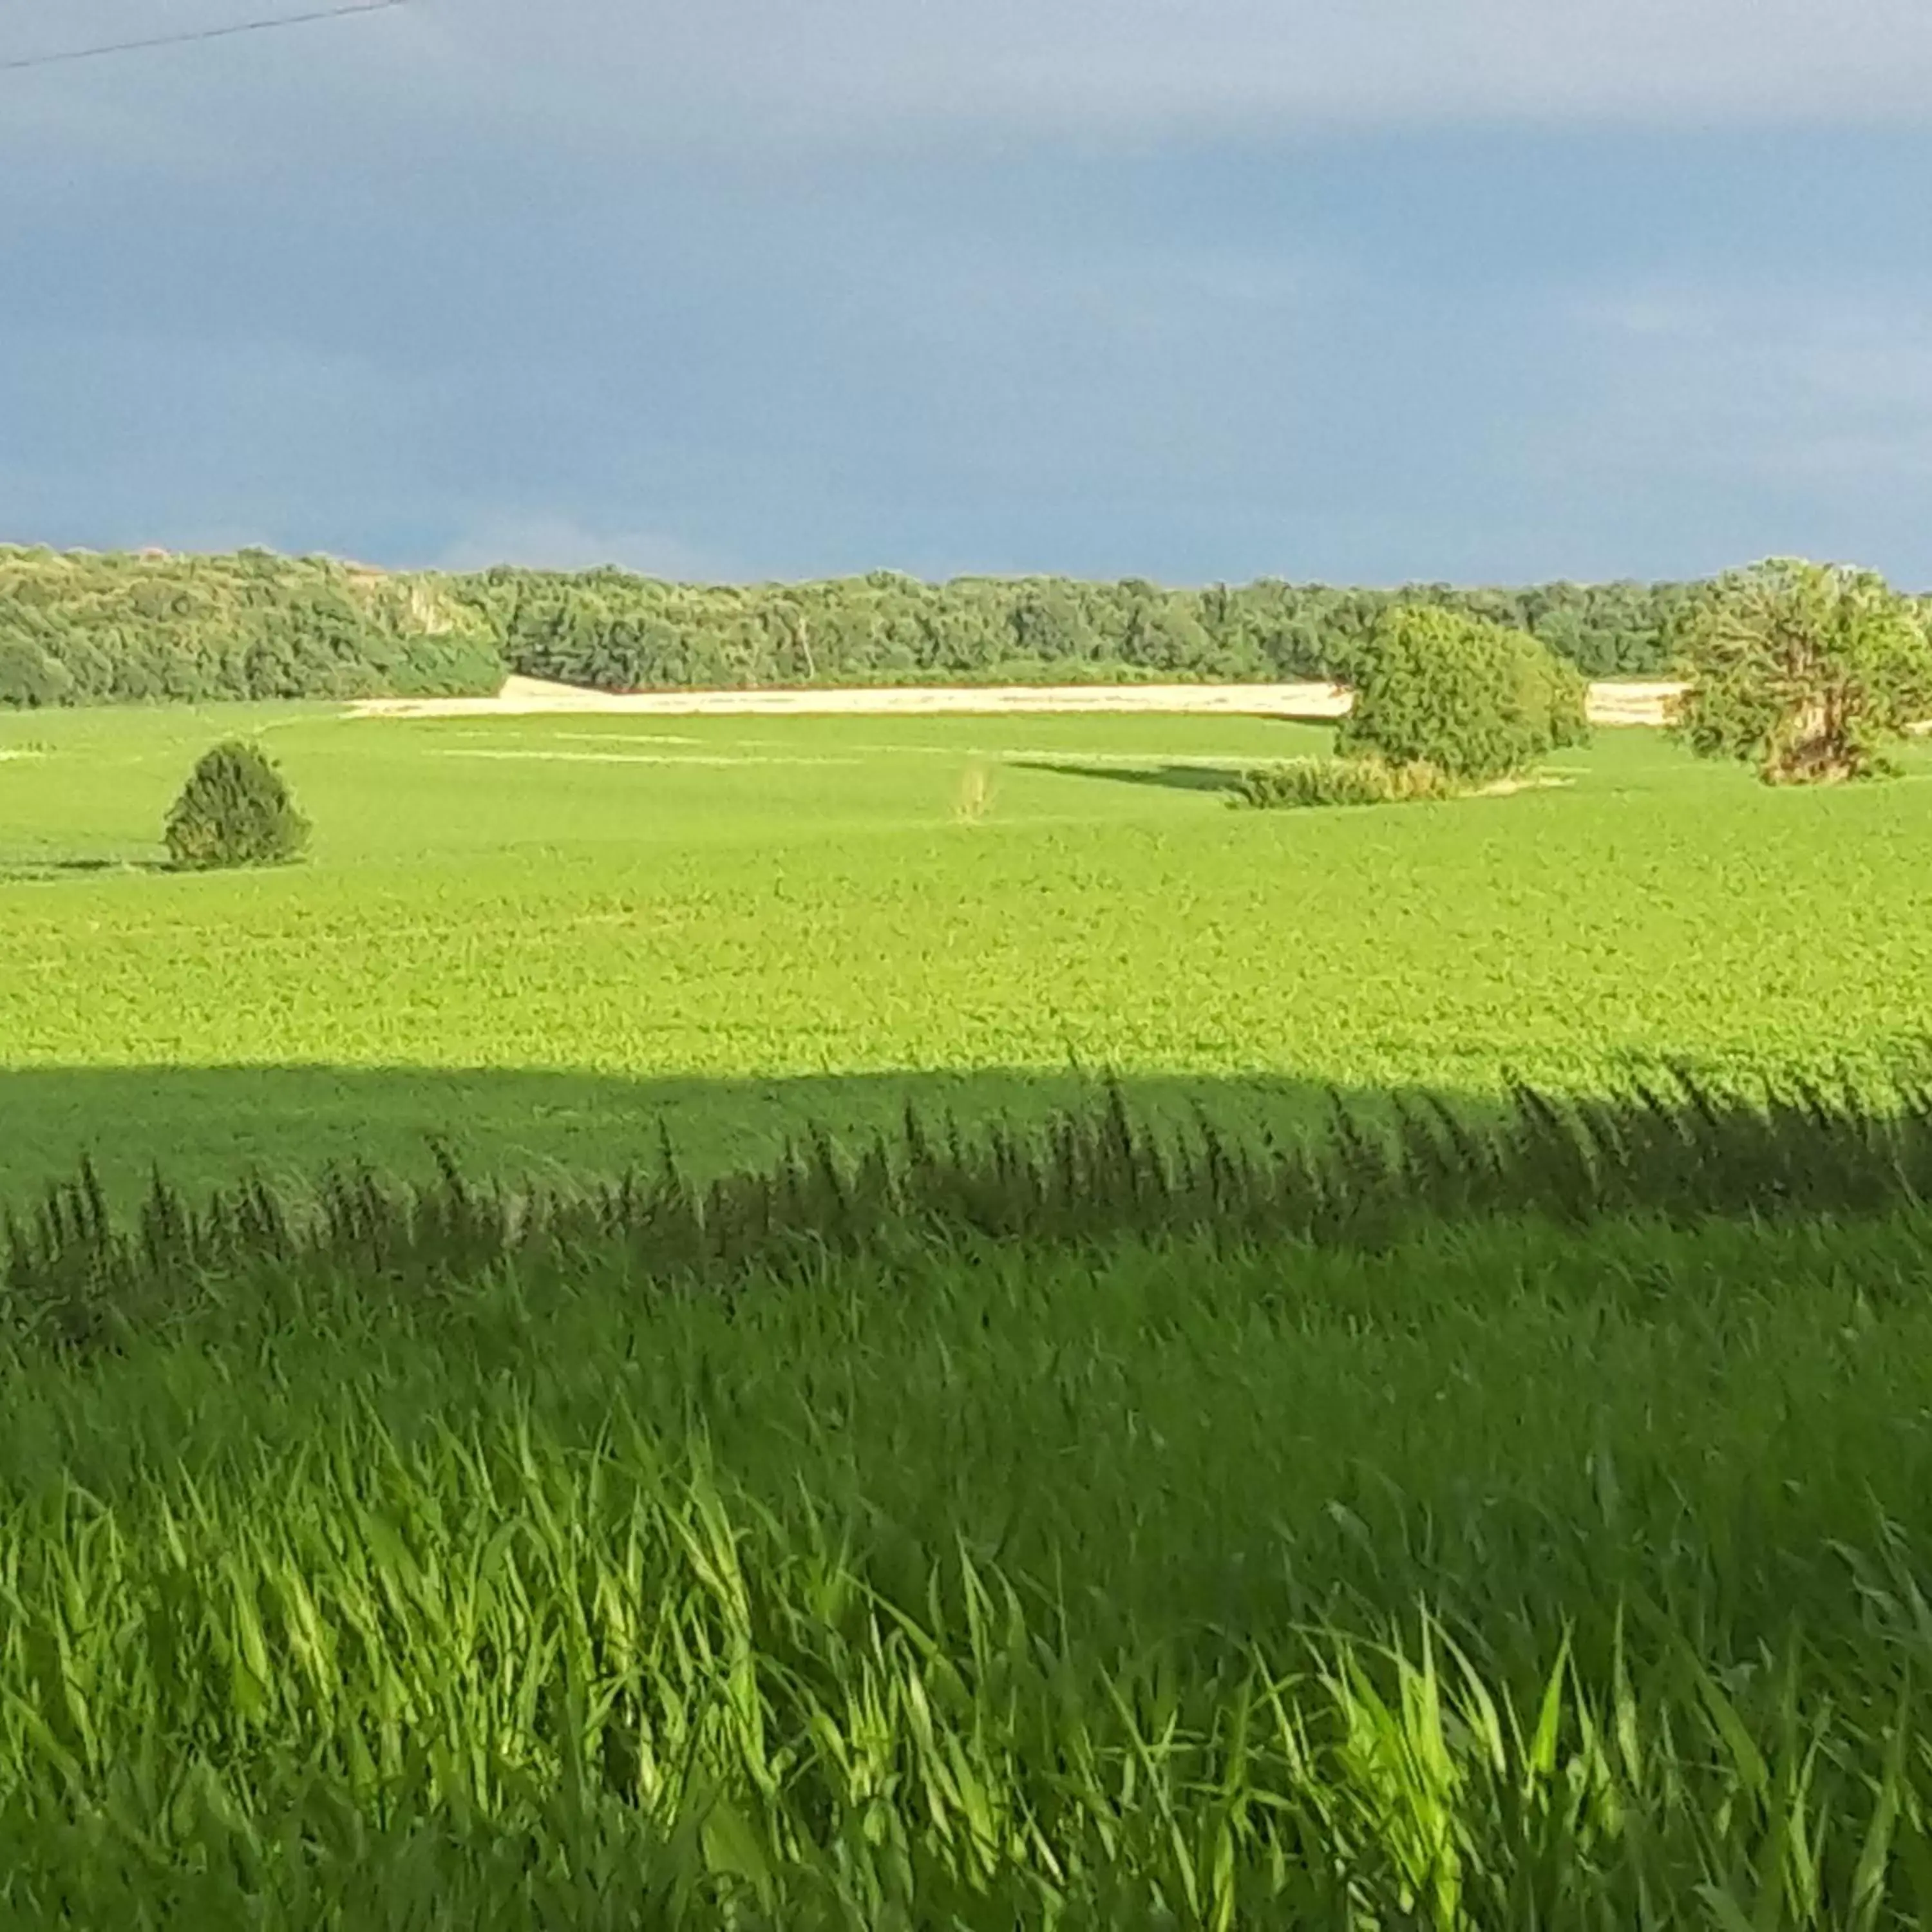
(208, 1126)
(64, 867)
(203, 1126)
(1226, 778)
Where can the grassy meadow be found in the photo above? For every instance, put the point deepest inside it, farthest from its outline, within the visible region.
(1524, 1529)
(538, 938)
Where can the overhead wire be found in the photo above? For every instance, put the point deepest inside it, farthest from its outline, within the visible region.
(191, 37)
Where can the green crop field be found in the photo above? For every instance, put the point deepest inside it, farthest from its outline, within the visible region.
(537, 938)
(1235, 1527)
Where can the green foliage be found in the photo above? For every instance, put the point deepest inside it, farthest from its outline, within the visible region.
(235, 810)
(28, 677)
(87, 628)
(1804, 669)
(1320, 781)
(611, 630)
(1468, 697)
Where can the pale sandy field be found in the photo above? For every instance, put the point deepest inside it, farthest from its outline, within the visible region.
(1612, 703)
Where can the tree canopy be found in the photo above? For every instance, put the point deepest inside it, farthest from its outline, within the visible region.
(1805, 670)
(83, 628)
(80, 628)
(1473, 699)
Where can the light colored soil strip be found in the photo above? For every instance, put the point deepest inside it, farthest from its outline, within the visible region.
(521, 697)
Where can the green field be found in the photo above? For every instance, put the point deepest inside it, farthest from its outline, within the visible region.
(538, 938)
(1122, 1547)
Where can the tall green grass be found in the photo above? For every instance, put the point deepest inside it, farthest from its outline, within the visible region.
(75, 1271)
(1539, 1567)
(495, 1683)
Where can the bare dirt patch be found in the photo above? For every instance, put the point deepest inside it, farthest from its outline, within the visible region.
(1612, 703)
(1505, 787)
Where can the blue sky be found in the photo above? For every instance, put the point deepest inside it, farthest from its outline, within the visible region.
(1361, 290)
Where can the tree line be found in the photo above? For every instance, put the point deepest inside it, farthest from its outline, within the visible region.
(87, 627)
(609, 629)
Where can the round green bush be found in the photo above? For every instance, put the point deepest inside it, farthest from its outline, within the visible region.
(235, 810)
(1473, 699)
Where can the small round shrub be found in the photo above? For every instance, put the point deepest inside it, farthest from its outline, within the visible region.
(235, 810)
(1475, 700)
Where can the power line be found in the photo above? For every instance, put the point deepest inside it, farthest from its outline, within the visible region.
(337, 13)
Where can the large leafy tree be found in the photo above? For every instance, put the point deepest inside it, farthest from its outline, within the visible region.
(1806, 671)
(1475, 700)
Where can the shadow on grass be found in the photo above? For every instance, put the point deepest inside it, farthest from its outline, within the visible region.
(11, 869)
(203, 1127)
(1223, 778)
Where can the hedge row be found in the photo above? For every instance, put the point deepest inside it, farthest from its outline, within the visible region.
(89, 628)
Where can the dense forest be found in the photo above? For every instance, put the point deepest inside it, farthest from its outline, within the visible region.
(88, 629)
(83, 628)
(604, 628)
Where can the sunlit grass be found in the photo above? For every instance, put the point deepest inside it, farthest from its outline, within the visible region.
(1079, 1534)
(702, 922)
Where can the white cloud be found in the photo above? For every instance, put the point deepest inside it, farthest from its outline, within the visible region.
(1055, 65)
(734, 75)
